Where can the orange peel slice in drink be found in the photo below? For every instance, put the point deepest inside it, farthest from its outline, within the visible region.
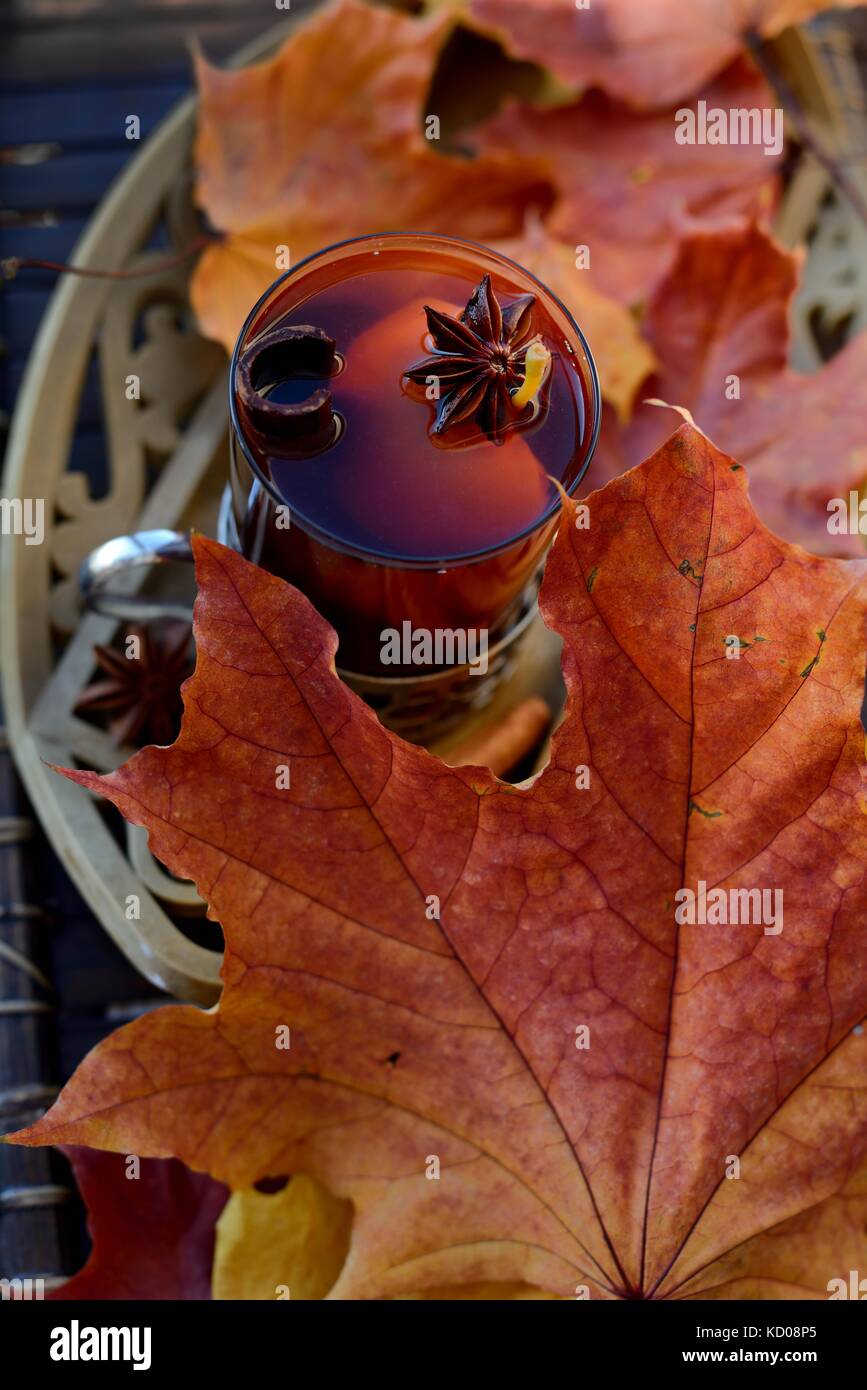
(537, 364)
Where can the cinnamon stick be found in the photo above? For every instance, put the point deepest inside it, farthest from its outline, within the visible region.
(501, 747)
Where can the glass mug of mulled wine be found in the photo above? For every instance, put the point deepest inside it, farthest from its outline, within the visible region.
(404, 410)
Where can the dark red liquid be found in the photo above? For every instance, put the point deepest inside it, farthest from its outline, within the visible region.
(383, 519)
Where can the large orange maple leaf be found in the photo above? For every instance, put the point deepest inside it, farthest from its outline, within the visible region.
(490, 981)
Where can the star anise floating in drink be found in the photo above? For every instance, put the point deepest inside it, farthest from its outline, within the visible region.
(479, 361)
(141, 693)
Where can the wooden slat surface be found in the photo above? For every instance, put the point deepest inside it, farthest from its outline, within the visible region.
(31, 1237)
(55, 40)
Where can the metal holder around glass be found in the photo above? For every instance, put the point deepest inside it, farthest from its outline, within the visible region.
(420, 708)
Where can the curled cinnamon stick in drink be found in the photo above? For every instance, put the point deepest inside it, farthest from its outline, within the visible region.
(501, 747)
(288, 350)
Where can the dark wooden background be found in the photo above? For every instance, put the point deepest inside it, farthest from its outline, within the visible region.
(71, 71)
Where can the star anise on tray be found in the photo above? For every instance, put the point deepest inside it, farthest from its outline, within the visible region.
(479, 359)
(141, 692)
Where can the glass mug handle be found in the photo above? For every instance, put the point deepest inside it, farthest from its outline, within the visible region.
(111, 564)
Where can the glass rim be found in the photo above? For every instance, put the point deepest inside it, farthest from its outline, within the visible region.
(368, 554)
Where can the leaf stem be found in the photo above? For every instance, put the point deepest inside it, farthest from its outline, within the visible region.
(10, 266)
